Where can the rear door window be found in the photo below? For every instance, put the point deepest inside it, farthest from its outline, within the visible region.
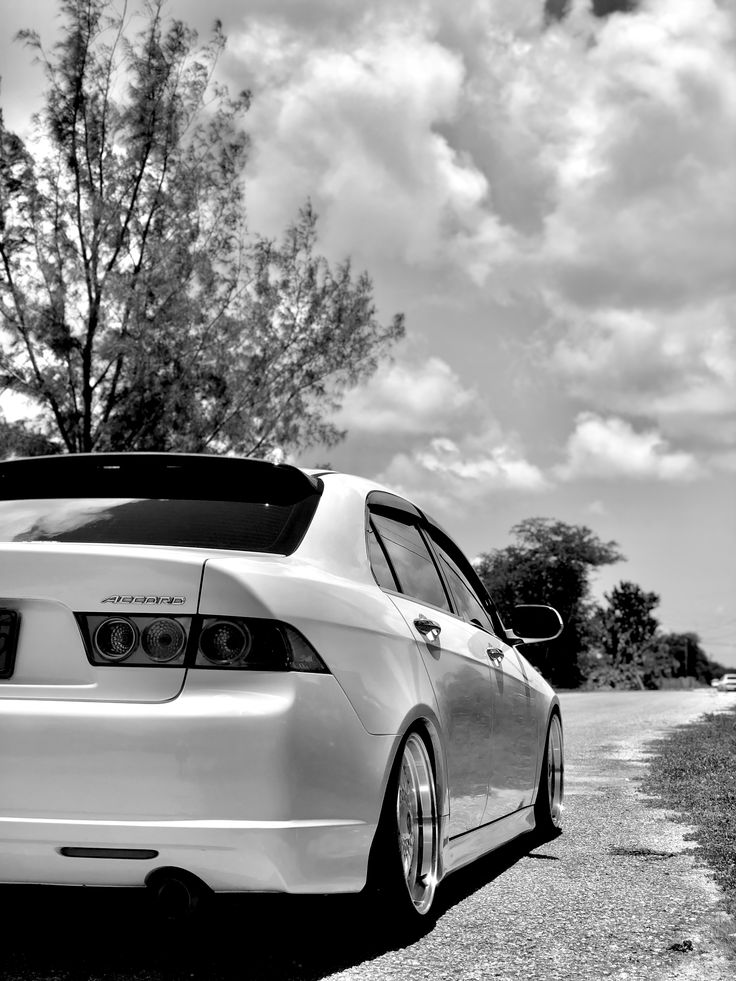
(411, 561)
(382, 571)
(470, 598)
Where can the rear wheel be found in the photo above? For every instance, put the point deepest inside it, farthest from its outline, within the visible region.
(548, 809)
(405, 858)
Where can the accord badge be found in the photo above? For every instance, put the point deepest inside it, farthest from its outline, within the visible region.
(147, 600)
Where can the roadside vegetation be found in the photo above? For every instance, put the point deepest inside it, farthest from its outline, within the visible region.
(616, 644)
(694, 773)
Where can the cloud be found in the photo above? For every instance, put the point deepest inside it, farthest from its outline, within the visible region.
(645, 208)
(445, 447)
(677, 367)
(470, 470)
(584, 171)
(356, 126)
(456, 452)
(610, 448)
(409, 399)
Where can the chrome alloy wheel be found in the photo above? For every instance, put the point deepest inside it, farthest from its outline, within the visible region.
(417, 823)
(555, 772)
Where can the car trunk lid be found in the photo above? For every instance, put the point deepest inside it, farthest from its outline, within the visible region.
(45, 585)
(125, 537)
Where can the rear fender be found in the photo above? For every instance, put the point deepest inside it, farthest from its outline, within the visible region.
(353, 626)
(425, 721)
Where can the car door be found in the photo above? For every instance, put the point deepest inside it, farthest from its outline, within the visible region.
(514, 735)
(455, 660)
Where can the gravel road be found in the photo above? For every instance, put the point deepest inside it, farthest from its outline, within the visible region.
(618, 895)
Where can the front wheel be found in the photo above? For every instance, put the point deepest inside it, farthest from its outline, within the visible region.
(548, 808)
(405, 858)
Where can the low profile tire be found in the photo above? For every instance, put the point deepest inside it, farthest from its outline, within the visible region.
(402, 879)
(548, 808)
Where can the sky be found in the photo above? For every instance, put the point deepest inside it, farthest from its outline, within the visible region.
(547, 191)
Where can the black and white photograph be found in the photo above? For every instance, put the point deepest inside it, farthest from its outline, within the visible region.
(367, 490)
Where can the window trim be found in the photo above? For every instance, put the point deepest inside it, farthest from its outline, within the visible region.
(372, 530)
(395, 507)
(474, 579)
(390, 506)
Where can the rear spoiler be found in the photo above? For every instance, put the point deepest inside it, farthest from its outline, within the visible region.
(173, 476)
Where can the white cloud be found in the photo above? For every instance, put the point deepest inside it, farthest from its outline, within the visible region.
(676, 367)
(409, 399)
(611, 448)
(356, 126)
(467, 471)
(646, 174)
(452, 449)
(586, 171)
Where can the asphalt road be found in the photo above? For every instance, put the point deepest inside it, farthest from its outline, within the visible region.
(618, 895)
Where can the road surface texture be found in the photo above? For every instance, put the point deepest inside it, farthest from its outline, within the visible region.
(618, 895)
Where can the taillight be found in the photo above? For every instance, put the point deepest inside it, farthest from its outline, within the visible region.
(233, 643)
(164, 640)
(302, 656)
(225, 643)
(254, 645)
(136, 641)
(115, 639)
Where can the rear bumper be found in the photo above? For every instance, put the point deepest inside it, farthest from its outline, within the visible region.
(229, 856)
(253, 782)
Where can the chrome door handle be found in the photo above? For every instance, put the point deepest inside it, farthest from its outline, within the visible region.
(495, 653)
(428, 628)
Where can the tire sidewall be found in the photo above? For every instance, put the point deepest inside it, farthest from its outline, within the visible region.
(387, 887)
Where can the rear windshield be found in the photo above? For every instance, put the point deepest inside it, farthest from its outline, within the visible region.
(195, 502)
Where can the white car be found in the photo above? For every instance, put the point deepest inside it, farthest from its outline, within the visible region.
(219, 674)
(727, 682)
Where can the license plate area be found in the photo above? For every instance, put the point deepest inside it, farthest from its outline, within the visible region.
(9, 624)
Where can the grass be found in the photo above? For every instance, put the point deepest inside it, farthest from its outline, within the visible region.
(693, 772)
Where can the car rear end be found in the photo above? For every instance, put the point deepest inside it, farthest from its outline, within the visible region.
(150, 718)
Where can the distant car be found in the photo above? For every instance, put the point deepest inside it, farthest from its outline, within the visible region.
(727, 683)
(223, 673)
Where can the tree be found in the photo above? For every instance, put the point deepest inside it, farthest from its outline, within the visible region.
(686, 658)
(17, 439)
(628, 628)
(551, 562)
(635, 651)
(628, 640)
(135, 309)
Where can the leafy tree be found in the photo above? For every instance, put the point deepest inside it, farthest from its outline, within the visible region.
(686, 658)
(635, 651)
(551, 562)
(16, 439)
(628, 629)
(135, 309)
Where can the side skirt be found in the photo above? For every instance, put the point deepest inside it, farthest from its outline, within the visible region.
(466, 848)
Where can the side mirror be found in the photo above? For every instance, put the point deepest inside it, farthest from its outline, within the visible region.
(533, 624)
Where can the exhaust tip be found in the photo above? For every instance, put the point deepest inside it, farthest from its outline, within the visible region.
(177, 894)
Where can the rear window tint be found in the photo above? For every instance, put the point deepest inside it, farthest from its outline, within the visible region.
(415, 570)
(195, 502)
